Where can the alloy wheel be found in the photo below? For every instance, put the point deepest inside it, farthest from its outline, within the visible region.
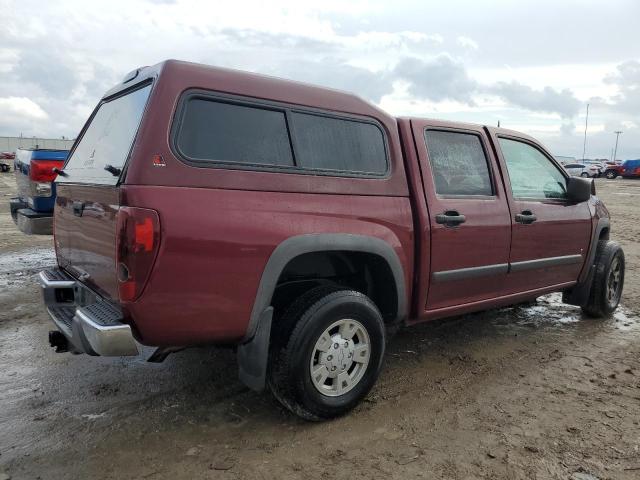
(340, 357)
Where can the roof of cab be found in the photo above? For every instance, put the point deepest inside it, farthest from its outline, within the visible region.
(435, 122)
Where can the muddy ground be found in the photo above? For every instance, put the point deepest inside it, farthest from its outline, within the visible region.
(527, 392)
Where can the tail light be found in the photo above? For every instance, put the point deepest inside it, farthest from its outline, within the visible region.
(42, 170)
(638, 171)
(138, 239)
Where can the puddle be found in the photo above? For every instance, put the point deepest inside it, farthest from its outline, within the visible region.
(18, 267)
(624, 320)
(549, 311)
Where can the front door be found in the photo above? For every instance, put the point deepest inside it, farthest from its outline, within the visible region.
(550, 234)
(468, 215)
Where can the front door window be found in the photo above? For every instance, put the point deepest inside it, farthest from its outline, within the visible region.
(531, 173)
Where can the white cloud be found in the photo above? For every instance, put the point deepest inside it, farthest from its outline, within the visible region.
(418, 58)
(466, 42)
(12, 107)
(8, 59)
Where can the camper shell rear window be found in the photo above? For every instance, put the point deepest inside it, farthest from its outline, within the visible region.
(107, 140)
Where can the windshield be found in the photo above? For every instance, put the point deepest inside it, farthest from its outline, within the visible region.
(107, 140)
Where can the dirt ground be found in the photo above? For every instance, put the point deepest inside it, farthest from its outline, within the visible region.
(525, 392)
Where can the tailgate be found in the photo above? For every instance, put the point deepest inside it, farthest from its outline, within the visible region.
(85, 234)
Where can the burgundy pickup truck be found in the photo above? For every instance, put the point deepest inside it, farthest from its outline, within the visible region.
(302, 226)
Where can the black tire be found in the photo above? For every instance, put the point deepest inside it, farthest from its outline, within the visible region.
(610, 174)
(584, 175)
(293, 345)
(605, 293)
(5, 168)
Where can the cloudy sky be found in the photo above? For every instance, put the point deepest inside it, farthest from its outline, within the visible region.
(532, 65)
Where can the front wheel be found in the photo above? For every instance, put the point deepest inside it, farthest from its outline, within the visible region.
(584, 175)
(610, 174)
(608, 280)
(326, 353)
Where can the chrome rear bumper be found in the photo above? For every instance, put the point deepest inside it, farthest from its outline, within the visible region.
(32, 223)
(91, 324)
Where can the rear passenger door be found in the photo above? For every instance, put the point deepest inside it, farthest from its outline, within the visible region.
(550, 234)
(468, 215)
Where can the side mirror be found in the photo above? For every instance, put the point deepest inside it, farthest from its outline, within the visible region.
(580, 189)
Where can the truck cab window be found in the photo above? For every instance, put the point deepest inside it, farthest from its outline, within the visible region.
(458, 163)
(531, 173)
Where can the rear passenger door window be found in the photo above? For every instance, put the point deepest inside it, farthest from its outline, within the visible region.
(458, 163)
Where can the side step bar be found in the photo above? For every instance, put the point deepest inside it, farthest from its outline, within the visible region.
(91, 324)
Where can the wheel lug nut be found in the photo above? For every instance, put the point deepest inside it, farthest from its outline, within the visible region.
(333, 369)
(330, 357)
(350, 354)
(335, 345)
(346, 344)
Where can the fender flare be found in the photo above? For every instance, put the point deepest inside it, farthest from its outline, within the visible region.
(301, 244)
(253, 352)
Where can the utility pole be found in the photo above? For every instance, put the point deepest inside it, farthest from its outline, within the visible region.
(586, 122)
(615, 151)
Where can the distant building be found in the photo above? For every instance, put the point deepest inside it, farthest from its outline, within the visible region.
(564, 160)
(11, 144)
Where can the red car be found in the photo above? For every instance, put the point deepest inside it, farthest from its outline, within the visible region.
(302, 226)
(627, 169)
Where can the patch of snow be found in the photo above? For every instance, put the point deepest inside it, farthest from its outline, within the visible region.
(94, 416)
(17, 267)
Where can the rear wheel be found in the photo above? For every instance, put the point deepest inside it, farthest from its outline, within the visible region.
(327, 352)
(608, 280)
(610, 174)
